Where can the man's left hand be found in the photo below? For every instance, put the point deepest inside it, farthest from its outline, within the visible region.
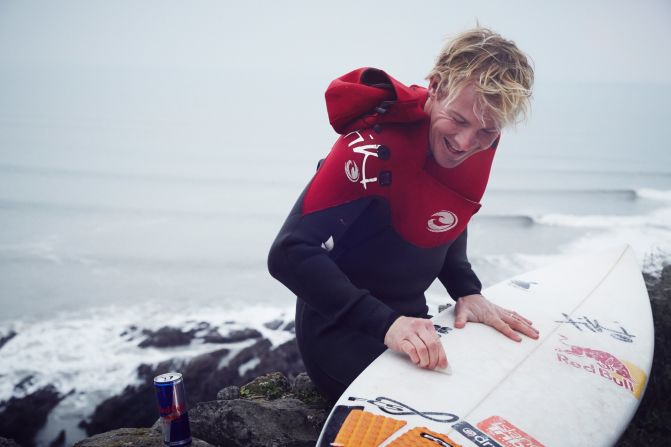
(477, 309)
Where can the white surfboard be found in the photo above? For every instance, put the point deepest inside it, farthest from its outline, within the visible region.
(578, 385)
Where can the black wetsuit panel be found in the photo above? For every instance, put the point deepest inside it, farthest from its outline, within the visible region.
(351, 288)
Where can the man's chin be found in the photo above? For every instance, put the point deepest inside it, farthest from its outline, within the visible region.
(449, 163)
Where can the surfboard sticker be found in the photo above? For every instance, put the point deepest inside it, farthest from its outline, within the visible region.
(506, 433)
(604, 364)
(593, 325)
(520, 284)
(334, 422)
(365, 429)
(474, 435)
(397, 408)
(423, 437)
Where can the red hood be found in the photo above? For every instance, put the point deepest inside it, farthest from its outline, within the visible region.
(352, 100)
(364, 97)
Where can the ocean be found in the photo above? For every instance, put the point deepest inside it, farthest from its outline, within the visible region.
(160, 214)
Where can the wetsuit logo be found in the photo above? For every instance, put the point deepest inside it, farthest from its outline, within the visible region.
(352, 171)
(367, 150)
(442, 221)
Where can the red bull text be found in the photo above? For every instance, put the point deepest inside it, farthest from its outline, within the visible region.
(622, 373)
(172, 409)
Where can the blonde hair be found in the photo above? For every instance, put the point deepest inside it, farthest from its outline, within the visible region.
(501, 73)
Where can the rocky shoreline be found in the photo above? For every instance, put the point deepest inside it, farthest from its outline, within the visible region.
(21, 418)
(270, 410)
(235, 403)
(650, 425)
(136, 406)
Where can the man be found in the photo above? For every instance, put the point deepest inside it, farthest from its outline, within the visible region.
(387, 211)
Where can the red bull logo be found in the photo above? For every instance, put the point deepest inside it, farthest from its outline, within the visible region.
(172, 412)
(604, 364)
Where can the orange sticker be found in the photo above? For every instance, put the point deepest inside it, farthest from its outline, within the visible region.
(423, 437)
(506, 433)
(364, 429)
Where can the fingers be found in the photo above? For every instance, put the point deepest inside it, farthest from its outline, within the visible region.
(421, 351)
(515, 315)
(521, 324)
(505, 329)
(442, 359)
(462, 314)
(409, 349)
(460, 320)
(422, 344)
(432, 342)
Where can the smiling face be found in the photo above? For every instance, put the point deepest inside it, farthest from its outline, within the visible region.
(460, 128)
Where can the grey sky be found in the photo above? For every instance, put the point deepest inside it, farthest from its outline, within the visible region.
(181, 86)
(611, 40)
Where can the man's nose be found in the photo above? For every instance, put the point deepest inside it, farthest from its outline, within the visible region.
(466, 140)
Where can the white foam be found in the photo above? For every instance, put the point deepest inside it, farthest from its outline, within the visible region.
(658, 218)
(654, 194)
(85, 352)
(248, 366)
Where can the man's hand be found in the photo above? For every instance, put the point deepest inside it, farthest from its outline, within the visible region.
(477, 309)
(418, 339)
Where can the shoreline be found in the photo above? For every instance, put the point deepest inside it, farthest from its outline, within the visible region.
(255, 357)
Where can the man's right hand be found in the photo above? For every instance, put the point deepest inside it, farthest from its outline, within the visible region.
(418, 339)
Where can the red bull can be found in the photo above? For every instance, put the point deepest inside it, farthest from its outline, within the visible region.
(172, 408)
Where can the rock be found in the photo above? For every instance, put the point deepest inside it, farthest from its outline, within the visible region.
(169, 336)
(135, 407)
(233, 337)
(213, 336)
(286, 358)
(290, 327)
(650, 425)
(203, 378)
(285, 422)
(306, 391)
(5, 338)
(59, 440)
(4, 442)
(166, 337)
(136, 437)
(201, 326)
(232, 421)
(271, 386)
(24, 384)
(229, 393)
(273, 325)
(22, 418)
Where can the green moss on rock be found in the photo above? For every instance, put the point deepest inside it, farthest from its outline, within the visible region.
(270, 386)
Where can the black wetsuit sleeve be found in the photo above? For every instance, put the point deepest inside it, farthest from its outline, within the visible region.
(299, 261)
(457, 275)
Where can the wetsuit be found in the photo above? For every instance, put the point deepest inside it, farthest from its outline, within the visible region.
(363, 242)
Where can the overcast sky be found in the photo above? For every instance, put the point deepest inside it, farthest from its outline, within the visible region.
(618, 40)
(129, 85)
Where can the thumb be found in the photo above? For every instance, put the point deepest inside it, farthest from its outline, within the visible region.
(460, 320)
